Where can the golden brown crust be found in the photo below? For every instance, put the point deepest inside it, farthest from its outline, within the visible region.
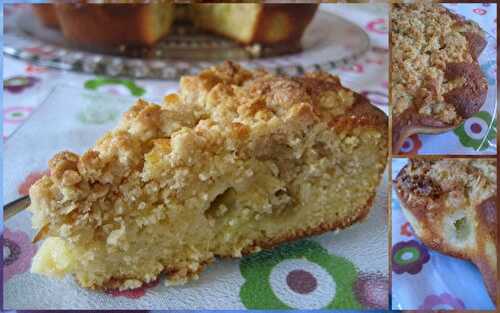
(476, 43)
(362, 113)
(487, 216)
(451, 205)
(469, 97)
(46, 13)
(112, 24)
(436, 79)
(175, 274)
(298, 16)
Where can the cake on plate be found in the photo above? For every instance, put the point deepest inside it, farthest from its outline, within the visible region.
(144, 24)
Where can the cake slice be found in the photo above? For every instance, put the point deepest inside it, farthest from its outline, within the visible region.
(255, 22)
(236, 161)
(451, 205)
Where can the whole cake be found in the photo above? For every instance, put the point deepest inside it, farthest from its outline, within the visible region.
(236, 161)
(436, 81)
(143, 24)
(451, 205)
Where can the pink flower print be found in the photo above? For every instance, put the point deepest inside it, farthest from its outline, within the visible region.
(17, 253)
(444, 301)
(31, 68)
(372, 290)
(479, 11)
(24, 188)
(15, 115)
(377, 26)
(134, 293)
(406, 230)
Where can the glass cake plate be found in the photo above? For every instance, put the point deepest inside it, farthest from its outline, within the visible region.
(330, 41)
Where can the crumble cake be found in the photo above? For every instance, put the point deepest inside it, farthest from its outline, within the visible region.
(236, 161)
(436, 81)
(144, 24)
(451, 205)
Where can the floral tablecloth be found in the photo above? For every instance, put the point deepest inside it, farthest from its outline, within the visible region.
(46, 110)
(424, 279)
(477, 135)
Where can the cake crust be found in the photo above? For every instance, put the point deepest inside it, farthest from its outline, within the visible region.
(46, 13)
(299, 15)
(109, 25)
(436, 80)
(451, 205)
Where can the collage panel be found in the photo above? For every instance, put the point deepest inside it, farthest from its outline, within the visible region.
(444, 233)
(443, 79)
(196, 156)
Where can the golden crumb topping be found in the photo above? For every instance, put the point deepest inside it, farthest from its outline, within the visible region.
(426, 39)
(475, 179)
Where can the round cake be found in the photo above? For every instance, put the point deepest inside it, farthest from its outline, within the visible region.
(144, 24)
